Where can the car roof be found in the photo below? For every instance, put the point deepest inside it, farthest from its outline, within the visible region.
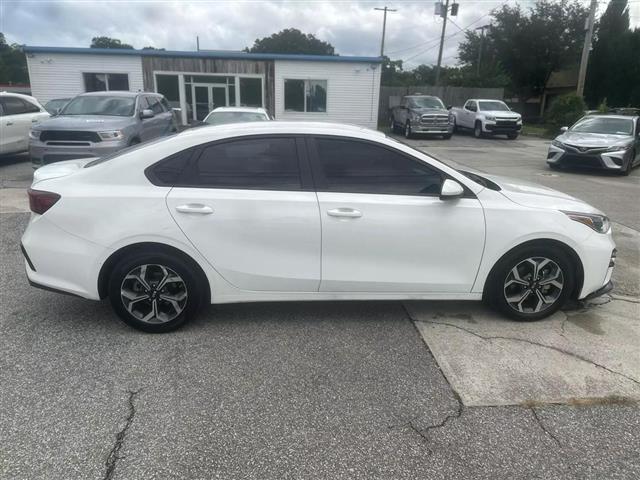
(279, 127)
(20, 95)
(115, 93)
(240, 109)
(486, 100)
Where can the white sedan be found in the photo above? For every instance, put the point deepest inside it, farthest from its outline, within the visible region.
(275, 211)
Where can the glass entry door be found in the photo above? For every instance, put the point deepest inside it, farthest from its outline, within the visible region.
(206, 97)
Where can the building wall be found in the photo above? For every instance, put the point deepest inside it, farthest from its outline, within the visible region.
(352, 91)
(60, 75)
(152, 64)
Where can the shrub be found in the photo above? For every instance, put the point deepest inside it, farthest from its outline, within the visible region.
(564, 111)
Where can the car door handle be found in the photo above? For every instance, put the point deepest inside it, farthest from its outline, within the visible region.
(344, 212)
(195, 208)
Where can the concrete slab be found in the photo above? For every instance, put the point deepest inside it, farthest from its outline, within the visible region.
(13, 200)
(587, 355)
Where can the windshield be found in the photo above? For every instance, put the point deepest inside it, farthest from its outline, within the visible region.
(426, 102)
(611, 126)
(129, 149)
(220, 118)
(495, 106)
(100, 105)
(57, 103)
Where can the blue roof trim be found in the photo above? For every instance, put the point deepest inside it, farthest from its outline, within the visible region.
(201, 54)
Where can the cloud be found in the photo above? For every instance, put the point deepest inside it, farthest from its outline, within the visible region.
(353, 28)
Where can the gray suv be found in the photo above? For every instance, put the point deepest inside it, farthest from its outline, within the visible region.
(99, 123)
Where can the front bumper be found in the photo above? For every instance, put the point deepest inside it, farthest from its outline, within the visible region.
(431, 129)
(500, 127)
(613, 161)
(43, 153)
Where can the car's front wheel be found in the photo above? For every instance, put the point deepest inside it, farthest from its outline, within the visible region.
(154, 292)
(531, 283)
(477, 130)
(407, 130)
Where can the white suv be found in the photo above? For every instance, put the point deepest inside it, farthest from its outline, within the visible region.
(17, 114)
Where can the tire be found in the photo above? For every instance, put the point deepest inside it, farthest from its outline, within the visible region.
(477, 130)
(512, 136)
(407, 130)
(179, 303)
(521, 298)
(627, 168)
(447, 136)
(455, 125)
(134, 141)
(392, 126)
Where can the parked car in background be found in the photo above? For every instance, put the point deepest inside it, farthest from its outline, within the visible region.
(99, 123)
(488, 117)
(421, 114)
(55, 105)
(610, 142)
(18, 113)
(224, 115)
(277, 211)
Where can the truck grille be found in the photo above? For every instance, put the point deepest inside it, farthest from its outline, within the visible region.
(434, 120)
(69, 136)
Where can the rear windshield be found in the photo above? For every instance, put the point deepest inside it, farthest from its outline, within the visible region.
(100, 105)
(220, 118)
(426, 102)
(611, 126)
(495, 106)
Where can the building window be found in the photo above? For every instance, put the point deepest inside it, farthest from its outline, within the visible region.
(169, 86)
(305, 95)
(250, 92)
(99, 82)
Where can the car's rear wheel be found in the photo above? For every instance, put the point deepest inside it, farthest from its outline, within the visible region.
(531, 283)
(154, 292)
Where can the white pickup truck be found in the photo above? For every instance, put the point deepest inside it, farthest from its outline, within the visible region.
(487, 117)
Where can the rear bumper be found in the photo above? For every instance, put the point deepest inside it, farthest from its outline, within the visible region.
(43, 154)
(59, 261)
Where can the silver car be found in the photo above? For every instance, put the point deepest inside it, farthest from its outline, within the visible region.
(99, 123)
(610, 142)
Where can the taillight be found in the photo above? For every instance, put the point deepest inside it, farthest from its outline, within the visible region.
(41, 201)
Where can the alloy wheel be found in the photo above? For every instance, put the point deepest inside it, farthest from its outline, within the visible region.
(533, 285)
(153, 293)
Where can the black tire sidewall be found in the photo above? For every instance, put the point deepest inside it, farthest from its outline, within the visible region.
(182, 268)
(475, 130)
(495, 283)
(407, 130)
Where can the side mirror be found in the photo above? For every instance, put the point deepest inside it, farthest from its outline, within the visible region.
(564, 129)
(147, 113)
(177, 110)
(450, 189)
(449, 107)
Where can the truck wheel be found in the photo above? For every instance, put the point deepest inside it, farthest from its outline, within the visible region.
(407, 130)
(455, 126)
(446, 136)
(512, 136)
(477, 130)
(392, 126)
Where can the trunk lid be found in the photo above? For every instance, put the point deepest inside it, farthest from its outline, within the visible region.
(59, 169)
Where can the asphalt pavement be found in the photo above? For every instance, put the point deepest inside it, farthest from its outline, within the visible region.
(285, 391)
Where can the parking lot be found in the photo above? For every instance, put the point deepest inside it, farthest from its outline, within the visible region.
(328, 390)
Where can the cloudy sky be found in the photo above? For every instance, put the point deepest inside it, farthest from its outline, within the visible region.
(352, 27)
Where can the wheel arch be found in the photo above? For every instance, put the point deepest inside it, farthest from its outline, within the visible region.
(544, 242)
(149, 247)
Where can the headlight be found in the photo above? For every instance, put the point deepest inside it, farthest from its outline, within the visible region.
(619, 148)
(490, 118)
(557, 143)
(451, 118)
(599, 223)
(415, 116)
(519, 120)
(111, 135)
(34, 134)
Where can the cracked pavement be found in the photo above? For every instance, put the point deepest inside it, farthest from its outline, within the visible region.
(315, 390)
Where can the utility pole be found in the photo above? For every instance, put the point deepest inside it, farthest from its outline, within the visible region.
(482, 28)
(582, 74)
(384, 26)
(443, 11)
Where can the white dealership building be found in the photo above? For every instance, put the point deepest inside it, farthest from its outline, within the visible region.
(291, 87)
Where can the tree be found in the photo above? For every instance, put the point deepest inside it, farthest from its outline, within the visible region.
(152, 48)
(107, 42)
(530, 45)
(13, 63)
(614, 63)
(292, 40)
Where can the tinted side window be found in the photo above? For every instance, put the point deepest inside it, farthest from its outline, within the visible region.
(16, 106)
(154, 105)
(361, 167)
(259, 163)
(167, 172)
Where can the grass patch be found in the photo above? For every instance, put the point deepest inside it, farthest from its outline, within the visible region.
(537, 130)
